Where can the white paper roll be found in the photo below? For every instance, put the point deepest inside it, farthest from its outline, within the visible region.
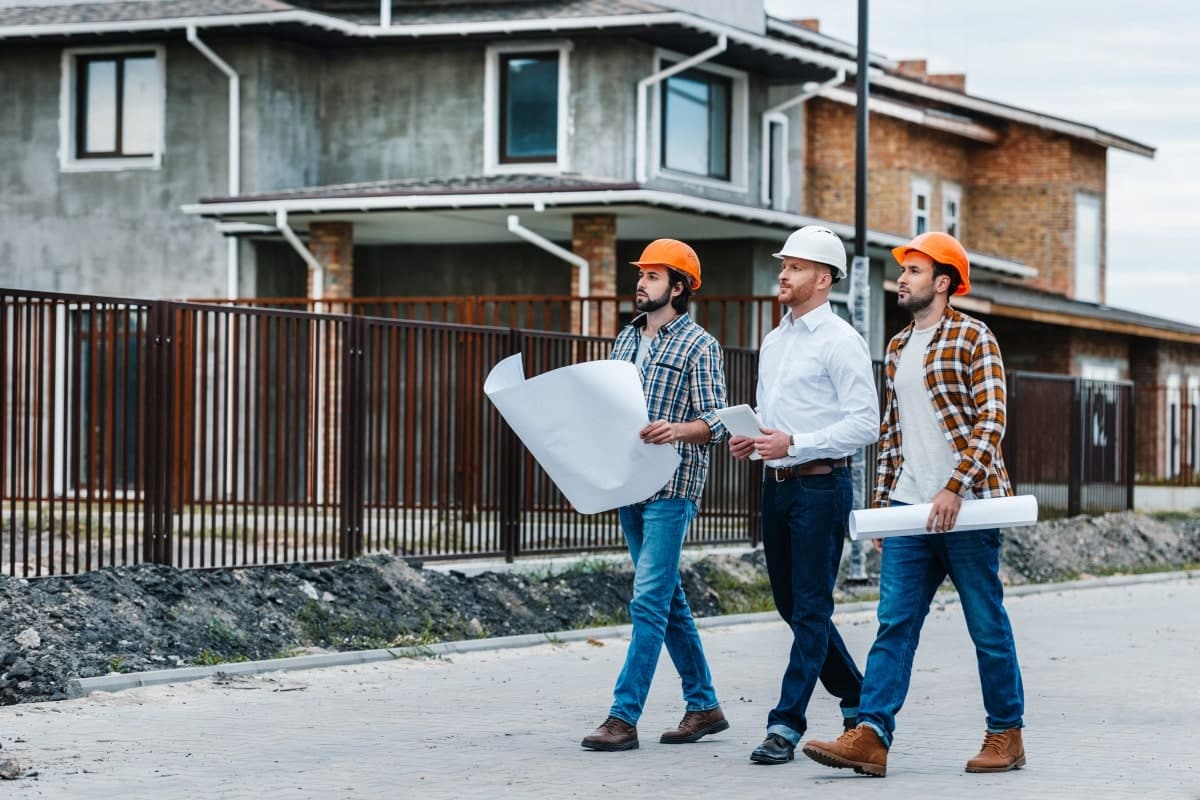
(992, 512)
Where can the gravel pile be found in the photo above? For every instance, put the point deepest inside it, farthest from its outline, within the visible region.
(129, 619)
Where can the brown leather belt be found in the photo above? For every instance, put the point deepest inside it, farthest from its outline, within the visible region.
(822, 466)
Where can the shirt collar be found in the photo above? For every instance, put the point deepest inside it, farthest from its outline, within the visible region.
(812, 320)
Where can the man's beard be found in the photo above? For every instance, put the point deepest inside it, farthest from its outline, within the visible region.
(916, 302)
(652, 303)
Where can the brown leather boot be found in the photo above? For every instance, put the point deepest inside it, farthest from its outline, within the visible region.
(859, 749)
(613, 734)
(1000, 752)
(695, 725)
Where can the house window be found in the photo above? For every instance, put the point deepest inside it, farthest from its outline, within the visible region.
(696, 121)
(529, 107)
(952, 209)
(1174, 424)
(526, 100)
(921, 191)
(1087, 247)
(112, 108)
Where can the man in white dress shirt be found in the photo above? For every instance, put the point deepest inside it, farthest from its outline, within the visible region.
(817, 401)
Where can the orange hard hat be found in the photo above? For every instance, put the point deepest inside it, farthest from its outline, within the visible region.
(942, 248)
(673, 254)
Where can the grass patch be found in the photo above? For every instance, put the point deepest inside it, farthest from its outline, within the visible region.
(736, 596)
(207, 658)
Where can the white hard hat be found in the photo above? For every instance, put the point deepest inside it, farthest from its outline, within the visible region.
(816, 243)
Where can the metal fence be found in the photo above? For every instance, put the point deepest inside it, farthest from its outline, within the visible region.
(1070, 442)
(201, 435)
(206, 435)
(1169, 415)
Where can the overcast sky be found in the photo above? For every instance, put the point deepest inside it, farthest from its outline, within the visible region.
(1130, 68)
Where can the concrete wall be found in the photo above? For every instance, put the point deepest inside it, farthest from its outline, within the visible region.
(118, 232)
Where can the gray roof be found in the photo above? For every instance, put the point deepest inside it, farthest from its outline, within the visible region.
(488, 12)
(472, 184)
(1040, 300)
(136, 10)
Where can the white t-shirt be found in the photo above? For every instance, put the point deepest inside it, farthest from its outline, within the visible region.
(643, 350)
(928, 455)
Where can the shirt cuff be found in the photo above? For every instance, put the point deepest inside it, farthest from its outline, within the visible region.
(800, 443)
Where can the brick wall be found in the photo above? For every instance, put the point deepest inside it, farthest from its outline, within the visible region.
(594, 236)
(332, 243)
(1018, 195)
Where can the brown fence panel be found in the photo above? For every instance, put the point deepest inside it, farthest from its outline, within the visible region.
(72, 420)
(1070, 442)
(1169, 417)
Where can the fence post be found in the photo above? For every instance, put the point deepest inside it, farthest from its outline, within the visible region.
(1130, 423)
(510, 476)
(158, 442)
(352, 458)
(1075, 456)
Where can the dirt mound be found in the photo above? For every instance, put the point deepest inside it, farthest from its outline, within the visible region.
(130, 619)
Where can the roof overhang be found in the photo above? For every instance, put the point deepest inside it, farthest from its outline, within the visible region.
(917, 116)
(743, 43)
(478, 217)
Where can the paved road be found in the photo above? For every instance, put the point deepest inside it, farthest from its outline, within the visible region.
(1112, 712)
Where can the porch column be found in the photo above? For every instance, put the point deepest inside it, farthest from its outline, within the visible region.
(594, 236)
(333, 245)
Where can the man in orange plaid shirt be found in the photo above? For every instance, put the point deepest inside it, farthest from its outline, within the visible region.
(944, 416)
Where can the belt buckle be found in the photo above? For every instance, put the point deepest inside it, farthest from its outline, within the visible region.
(777, 471)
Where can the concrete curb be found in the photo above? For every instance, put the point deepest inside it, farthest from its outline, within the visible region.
(81, 687)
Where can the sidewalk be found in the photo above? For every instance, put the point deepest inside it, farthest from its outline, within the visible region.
(1109, 677)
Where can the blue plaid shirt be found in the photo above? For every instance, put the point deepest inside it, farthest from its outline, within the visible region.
(684, 379)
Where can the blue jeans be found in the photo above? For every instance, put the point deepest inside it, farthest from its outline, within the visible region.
(654, 532)
(912, 569)
(803, 524)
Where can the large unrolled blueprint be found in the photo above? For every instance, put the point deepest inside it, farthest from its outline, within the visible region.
(581, 423)
(991, 512)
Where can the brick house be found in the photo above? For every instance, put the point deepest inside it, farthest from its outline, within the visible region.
(263, 149)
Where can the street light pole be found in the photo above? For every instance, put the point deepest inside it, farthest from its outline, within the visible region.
(860, 269)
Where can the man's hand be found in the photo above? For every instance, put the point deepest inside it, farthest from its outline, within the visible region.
(944, 513)
(877, 544)
(773, 443)
(659, 432)
(740, 447)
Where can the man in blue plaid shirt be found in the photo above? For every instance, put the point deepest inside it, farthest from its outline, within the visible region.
(683, 374)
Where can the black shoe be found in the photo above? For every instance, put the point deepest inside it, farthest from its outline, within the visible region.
(774, 750)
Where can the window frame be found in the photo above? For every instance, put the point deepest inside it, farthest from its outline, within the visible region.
(952, 192)
(1095, 292)
(71, 103)
(493, 107)
(738, 123)
(921, 188)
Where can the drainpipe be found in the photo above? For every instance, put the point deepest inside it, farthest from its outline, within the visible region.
(585, 273)
(643, 92)
(385, 13)
(235, 151)
(318, 271)
(775, 114)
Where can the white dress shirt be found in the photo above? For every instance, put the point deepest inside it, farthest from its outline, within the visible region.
(815, 381)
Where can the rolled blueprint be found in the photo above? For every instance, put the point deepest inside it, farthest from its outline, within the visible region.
(992, 512)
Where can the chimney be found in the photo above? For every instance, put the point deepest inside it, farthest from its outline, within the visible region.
(812, 23)
(950, 80)
(912, 69)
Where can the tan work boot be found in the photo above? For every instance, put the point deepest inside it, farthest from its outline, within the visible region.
(859, 749)
(695, 725)
(1000, 752)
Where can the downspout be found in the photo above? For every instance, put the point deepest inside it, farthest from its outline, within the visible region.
(643, 90)
(385, 13)
(585, 270)
(775, 114)
(318, 271)
(235, 151)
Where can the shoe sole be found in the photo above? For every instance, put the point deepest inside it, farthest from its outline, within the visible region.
(837, 762)
(608, 748)
(716, 727)
(762, 758)
(1020, 762)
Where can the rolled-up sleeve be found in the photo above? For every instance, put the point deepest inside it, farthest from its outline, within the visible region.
(707, 388)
